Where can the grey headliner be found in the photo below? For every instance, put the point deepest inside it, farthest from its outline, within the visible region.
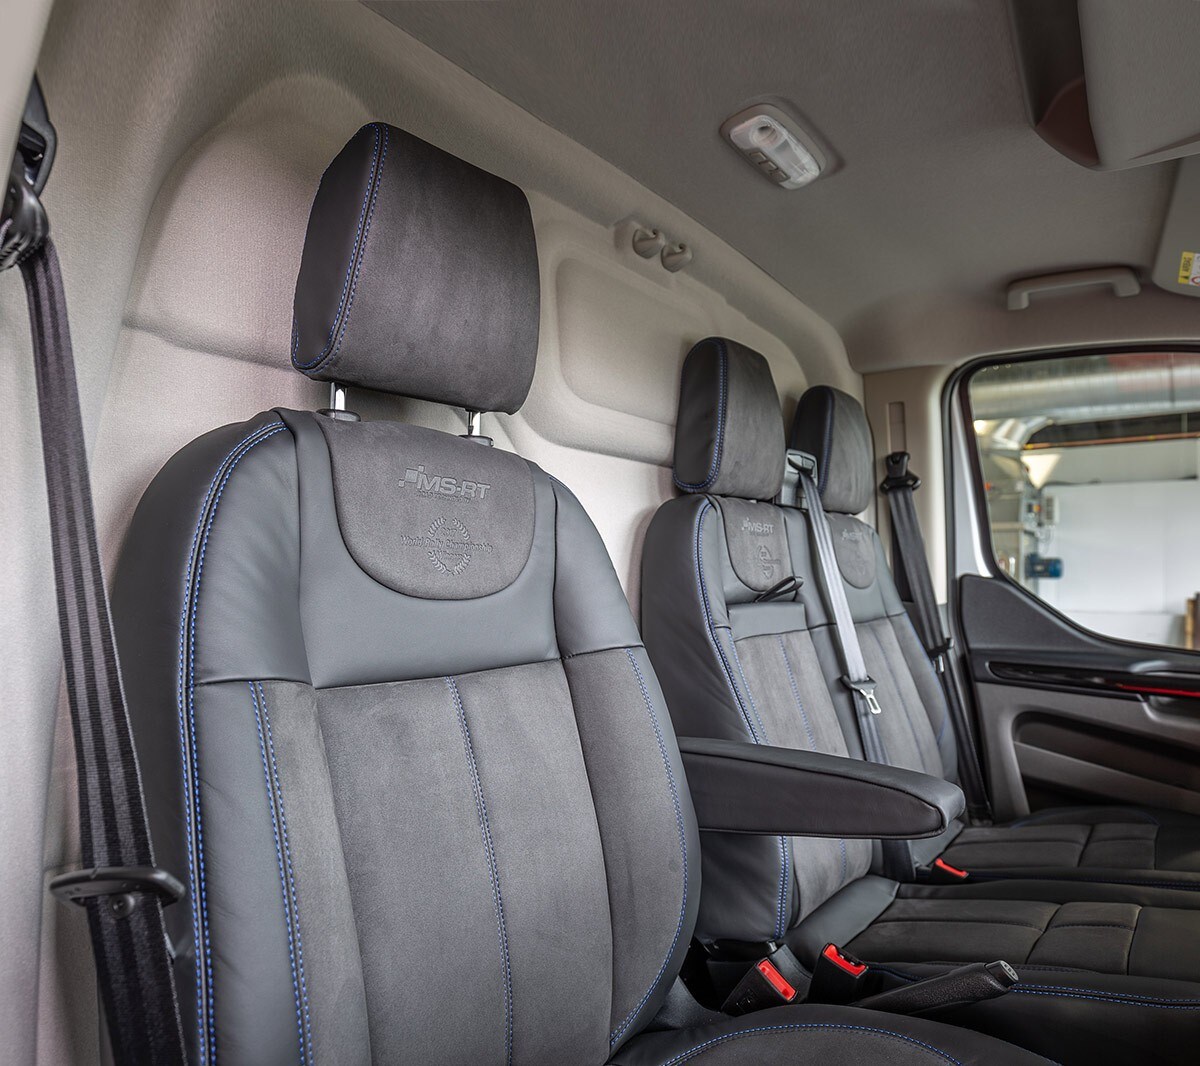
(943, 194)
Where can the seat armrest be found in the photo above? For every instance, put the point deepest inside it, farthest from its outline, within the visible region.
(738, 787)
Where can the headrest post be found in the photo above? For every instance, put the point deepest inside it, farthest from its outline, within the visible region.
(337, 405)
(472, 432)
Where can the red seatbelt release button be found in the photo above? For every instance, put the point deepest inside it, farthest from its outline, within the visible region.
(776, 980)
(952, 871)
(846, 963)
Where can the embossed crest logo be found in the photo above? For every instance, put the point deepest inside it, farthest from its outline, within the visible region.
(767, 563)
(448, 545)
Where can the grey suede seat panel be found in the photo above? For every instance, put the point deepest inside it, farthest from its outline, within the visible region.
(527, 786)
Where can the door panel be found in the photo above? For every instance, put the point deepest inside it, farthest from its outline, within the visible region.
(1070, 717)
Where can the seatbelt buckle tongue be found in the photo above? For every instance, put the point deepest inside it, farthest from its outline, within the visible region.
(772, 981)
(866, 689)
(838, 977)
(940, 872)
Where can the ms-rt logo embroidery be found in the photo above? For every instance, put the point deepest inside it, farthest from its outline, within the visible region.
(438, 485)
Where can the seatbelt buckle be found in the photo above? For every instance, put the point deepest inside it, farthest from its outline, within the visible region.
(773, 981)
(940, 872)
(121, 885)
(866, 689)
(898, 475)
(838, 977)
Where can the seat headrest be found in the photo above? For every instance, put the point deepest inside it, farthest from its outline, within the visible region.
(832, 426)
(419, 277)
(729, 433)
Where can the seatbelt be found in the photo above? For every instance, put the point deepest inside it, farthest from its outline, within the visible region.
(120, 887)
(855, 676)
(911, 565)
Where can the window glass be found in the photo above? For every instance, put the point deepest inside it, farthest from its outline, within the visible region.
(1089, 465)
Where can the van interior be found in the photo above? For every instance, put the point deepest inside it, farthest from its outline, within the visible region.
(545, 532)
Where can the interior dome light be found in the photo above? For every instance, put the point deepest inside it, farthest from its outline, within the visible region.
(771, 142)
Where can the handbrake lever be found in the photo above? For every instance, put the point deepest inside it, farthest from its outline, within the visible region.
(956, 988)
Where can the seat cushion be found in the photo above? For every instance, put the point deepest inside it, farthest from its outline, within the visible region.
(1109, 973)
(1102, 936)
(1104, 843)
(821, 1034)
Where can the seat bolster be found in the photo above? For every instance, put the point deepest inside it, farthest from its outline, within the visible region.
(590, 610)
(823, 1034)
(194, 622)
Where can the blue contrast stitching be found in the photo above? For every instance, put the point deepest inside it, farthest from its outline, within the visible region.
(714, 468)
(291, 876)
(679, 824)
(349, 285)
(812, 739)
(784, 861)
(205, 1023)
(489, 849)
(287, 882)
(692, 1052)
(1154, 1002)
(825, 460)
(711, 629)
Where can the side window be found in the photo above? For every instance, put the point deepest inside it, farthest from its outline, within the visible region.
(1089, 468)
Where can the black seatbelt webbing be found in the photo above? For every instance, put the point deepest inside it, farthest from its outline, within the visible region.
(120, 888)
(856, 678)
(916, 585)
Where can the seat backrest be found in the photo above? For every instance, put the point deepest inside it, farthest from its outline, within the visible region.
(915, 727)
(735, 665)
(398, 729)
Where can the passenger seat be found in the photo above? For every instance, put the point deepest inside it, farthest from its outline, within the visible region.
(734, 623)
(397, 726)
(1118, 844)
